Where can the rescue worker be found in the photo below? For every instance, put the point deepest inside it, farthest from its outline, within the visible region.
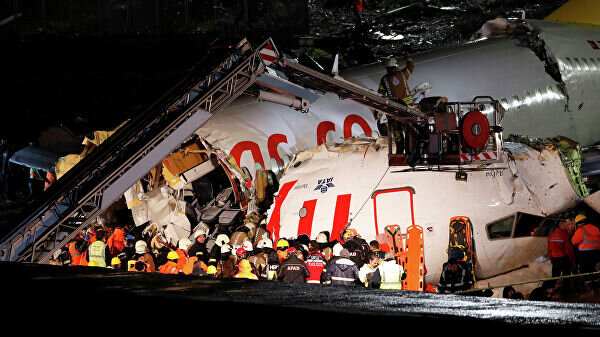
(34, 175)
(142, 254)
(78, 250)
(326, 248)
(282, 247)
(357, 9)
(357, 247)
(374, 246)
(198, 249)
(335, 252)
(116, 242)
(293, 269)
(365, 274)
(256, 259)
(454, 277)
(171, 266)
(115, 263)
(562, 256)
(389, 274)
(245, 270)
(395, 82)
(215, 253)
(211, 271)
(98, 251)
(315, 262)
(226, 263)
(182, 251)
(342, 271)
(50, 177)
(587, 241)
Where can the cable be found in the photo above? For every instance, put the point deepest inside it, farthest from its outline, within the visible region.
(364, 203)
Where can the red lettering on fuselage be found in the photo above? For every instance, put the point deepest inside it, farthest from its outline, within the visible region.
(274, 224)
(306, 221)
(272, 142)
(356, 119)
(322, 130)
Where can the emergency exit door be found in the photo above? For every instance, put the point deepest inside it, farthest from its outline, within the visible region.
(393, 206)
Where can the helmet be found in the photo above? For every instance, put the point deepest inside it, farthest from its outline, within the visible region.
(211, 270)
(184, 243)
(251, 230)
(247, 246)
(221, 239)
(264, 243)
(93, 264)
(291, 250)
(337, 249)
(141, 247)
(282, 243)
(245, 264)
(580, 217)
(115, 260)
(172, 255)
(391, 63)
(225, 248)
(198, 233)
(350, 233)
(241, 253)
(322, 238)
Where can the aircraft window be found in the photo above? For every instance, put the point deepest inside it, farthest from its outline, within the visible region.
(501, 228)
(526, 224)
(548, 226)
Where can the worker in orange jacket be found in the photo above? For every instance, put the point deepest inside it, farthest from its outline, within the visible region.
(182, 251)
(245, 270)
(562, 256)
(171, 266)
(116, 242)
(587, 241)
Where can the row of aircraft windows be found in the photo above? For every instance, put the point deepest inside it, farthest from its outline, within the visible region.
(521, 225)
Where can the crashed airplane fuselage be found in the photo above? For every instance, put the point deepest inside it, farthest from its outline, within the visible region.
(547, 92)
(510, 202)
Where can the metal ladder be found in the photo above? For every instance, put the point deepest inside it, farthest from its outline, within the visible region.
(100, 178)
(310, 78)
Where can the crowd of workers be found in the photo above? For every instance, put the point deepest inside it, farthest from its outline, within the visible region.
(244, 254)
(350, 261)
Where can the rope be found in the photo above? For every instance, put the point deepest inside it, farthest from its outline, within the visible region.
(526, 282)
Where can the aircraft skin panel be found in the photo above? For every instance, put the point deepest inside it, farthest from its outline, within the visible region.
(540, 188)
(262, 121)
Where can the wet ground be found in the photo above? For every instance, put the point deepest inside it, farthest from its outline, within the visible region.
(130, 296)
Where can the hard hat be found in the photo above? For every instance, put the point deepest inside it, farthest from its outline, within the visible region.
(264, 243)
(115, 260)
(337, 249)
(93, 264)
(391, 62)
(251, 230)
(225, 248)
(580, 217)
(221, 240)
(322, 238)
(240, 252)
(184, 243)
(198, 233)
(350, 233)
(282, 243)
(172, 255)
(141, 247)
(211, 270)
(247, 246)
(244, 264)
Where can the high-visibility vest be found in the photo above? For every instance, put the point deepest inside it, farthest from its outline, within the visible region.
(75, 255)
(183, 259)
(168, 268)
(391, 275)
(591, 238)
(96, 251)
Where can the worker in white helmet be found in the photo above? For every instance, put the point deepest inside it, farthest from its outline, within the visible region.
(198, 248)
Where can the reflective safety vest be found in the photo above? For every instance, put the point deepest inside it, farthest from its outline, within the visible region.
(75, 255)
(96, 251)
(391, 275)
(168, 268)
(590, 239)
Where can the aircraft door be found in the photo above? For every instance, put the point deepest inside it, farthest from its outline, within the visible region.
(393, 207)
